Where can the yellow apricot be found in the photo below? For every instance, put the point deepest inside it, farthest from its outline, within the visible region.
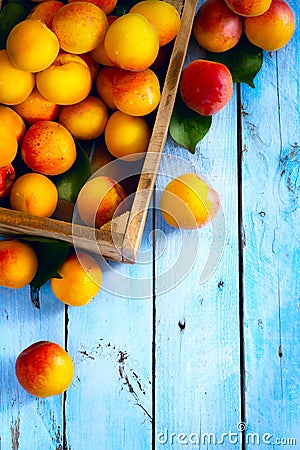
(131, 42)
(36, 107)
(32, 46)
(188, 202)
(86, 119)
(18, 263)
(67, 81)
(127, 136)
(81, 280)
(15, 84)
(35, 194)
(136, 93)
(12, 120)
(162, 15)
(8, 145)
(80, 26)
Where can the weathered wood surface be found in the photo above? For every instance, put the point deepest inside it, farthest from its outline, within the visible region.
(203, 332)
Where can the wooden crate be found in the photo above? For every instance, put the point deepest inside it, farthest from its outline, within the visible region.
(119, 240)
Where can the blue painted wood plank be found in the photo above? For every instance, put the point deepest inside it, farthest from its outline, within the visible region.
(25, 421)
(271, 253)
(111, 340)
(197, 386)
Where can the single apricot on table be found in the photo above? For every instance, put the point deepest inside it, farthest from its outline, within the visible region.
(44, 369)
(188, 202)
(36, 107)
(206, 86)
(48, 148)
(67, 81)
(32, 46)
(131, 42)
(8, 145)
(18, 263)
(98, 200)
(12, 120)
(15, 84)
(162, 15)
(216, 28)
(80, 281)
(248, 8)
(35, 194)
(273, 29)
(86, 119)
(80, 26)
(136, 93)
(127, 136)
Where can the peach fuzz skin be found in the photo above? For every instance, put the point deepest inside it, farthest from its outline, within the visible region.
(44, 369)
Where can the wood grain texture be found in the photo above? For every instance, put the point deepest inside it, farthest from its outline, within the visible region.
(270, 169)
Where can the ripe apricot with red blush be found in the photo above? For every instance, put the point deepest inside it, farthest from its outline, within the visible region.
(206, 86)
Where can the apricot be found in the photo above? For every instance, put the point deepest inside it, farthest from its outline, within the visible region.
(99, 53)
(36, 107)
(32, 46)
(67, 81)
(162, 15)
(216, 28)
(12, 120)
(34, 193)
(18, 263)
(8, 145)
(80, 26)
(80, 281)
(45, 11)
(131, 42)
(136, 93)
(248, 8)
(7, 178)
(273, 29)
(85, 120)
(93, 65)
(98, 200)
(206, 86)
(127, 136)
(48, 148)
(188, 202)
(15, 84)
(105, 85)
(106, 5)
(44, 369)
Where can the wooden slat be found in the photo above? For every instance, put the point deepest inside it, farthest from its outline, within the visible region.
(271, 162)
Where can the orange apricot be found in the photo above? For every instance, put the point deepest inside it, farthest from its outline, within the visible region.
(216, 28)
(18, 263)
(45, 11)
(8, 145)
(136, 93)
(80, 26)
(106, 5)
(86, 119)
(105, 85)
(12, 120)
(36, 107)
(48, 148)
(34, 193)
(273, 29)
(248, 8)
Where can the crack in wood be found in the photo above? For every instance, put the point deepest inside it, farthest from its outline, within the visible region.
(15, 434)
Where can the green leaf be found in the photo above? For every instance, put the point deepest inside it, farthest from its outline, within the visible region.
(69, 183)
(187, 127)
(123, 7)
(244, 61)
(51, 254)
